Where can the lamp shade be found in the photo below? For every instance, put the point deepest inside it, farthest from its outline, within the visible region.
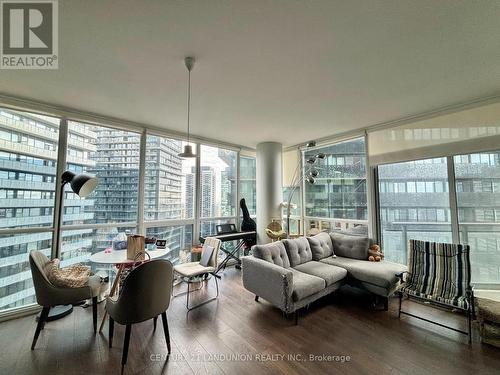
(82, 184)
(188, 152)
(314, 173)
(311, 180)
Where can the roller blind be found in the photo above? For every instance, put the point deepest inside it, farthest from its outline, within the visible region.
(290, 162)
(467, 131)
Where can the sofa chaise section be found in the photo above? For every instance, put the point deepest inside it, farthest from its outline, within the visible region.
(376, 277)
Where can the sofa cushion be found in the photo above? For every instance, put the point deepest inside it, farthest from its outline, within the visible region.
(298, 251)
(354, 247)
(273, 252)
(305, 285)
(321, 245)
(381, 274)
(331, 274)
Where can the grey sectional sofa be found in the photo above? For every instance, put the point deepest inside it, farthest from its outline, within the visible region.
(292, 273)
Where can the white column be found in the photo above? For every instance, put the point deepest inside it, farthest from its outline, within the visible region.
(269, 186)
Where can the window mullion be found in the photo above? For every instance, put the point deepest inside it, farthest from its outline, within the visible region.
(62, 150)
(237, 197)
(142, 183)
(197, 196)
(452, 188)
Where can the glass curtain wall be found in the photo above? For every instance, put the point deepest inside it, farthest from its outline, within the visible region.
(248, 184)
(338, 197)
(28, 158)
(477, 179)
(170, 195)
(414, 201)
(28, 161)
(111, 155)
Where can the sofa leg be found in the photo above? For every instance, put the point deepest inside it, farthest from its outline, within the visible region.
(386, 303)
(296, 317)
(256, 298)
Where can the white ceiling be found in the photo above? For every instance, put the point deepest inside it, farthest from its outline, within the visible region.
(286, 71)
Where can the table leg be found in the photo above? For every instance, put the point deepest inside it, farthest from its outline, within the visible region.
(112, 293)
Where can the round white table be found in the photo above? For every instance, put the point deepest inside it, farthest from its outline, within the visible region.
(119, 258)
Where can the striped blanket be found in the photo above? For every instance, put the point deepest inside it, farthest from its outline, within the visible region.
(438, 272)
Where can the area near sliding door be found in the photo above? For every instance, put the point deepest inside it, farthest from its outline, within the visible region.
(478, 200)
(417, 200)
(414, 203)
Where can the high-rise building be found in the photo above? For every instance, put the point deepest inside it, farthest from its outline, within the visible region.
(163, 193)
(28, 156)
(208, 191)
(189, 190)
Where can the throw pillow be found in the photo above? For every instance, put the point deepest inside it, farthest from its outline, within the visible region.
(321, 246)
(354, 247)
(74, 276)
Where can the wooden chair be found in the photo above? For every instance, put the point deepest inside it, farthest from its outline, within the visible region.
(49, 295)
(145, 294)
(438, 274)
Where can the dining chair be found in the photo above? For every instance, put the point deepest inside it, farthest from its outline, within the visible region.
(48, 295)
(195, 272)
(145, 294)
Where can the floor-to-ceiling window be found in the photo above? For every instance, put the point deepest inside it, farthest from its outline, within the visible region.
(337, 197)
(478, 199)
(248, 184)
(414, 203)
(28, 157)
(91, 224)
(169, 195)
(218, 174)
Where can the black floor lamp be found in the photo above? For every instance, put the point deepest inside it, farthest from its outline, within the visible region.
(82, 184)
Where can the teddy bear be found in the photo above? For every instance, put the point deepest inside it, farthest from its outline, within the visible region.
(375, 253)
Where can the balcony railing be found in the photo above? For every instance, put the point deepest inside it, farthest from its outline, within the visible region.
(329, 224)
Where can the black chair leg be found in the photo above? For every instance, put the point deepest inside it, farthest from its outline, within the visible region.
(400, 302)
(41, 321)
(296, 317)
(155, 319)
(94, 312)
(128, 330)
(469, 318)
(256, 298)
(111, 331)
(165, 329)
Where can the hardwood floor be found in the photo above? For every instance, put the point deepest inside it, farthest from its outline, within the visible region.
(238, 335)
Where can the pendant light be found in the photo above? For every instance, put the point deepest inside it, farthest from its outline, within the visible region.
(188, 149)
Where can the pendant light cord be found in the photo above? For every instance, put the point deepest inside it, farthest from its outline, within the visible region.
(189, 100)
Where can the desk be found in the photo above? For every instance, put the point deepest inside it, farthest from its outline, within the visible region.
(119, 258)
